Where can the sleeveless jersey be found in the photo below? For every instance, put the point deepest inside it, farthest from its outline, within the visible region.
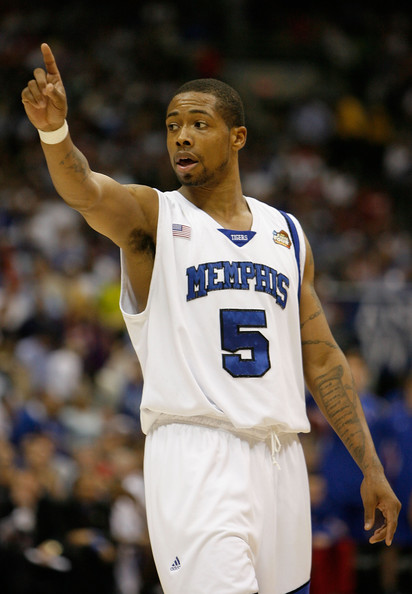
(220, 335)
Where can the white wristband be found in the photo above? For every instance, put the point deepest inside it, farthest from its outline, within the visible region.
(55, 136)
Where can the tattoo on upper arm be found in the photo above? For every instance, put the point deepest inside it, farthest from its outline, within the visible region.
(331, 345)
(76, 162)
(319, 309)
(318, 312)
(312, 316)
(340, 406)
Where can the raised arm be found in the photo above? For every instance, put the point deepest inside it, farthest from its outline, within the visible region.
(109, 207)
(331, 384)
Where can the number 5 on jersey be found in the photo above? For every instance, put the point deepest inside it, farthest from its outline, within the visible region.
(234, 338)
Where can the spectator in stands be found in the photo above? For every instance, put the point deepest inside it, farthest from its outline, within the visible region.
(396, 448)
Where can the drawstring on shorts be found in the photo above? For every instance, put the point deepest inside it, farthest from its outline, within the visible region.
(254, 433)
(275, 447)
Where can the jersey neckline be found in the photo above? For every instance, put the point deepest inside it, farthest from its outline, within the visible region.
(218, 225)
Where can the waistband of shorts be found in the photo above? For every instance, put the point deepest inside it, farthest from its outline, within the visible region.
(255, 433)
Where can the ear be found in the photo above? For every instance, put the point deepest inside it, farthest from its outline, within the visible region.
(239, 134)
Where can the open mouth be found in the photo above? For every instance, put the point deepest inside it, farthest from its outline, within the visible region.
(185, 164)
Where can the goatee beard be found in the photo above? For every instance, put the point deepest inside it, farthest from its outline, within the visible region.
(205, 178)
(194, 182)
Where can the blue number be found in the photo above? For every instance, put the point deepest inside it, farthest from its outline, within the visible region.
(234, 339)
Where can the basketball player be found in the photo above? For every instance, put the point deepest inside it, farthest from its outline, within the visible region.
(217, 293)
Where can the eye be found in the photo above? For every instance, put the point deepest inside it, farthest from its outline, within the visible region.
(200, 125)
(172, 127)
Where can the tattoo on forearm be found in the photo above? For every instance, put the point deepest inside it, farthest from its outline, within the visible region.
(340, 406)
(76, 162)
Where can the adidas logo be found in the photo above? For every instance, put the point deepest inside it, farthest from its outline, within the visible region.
(175, 565)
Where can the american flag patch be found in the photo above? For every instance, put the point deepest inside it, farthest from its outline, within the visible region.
(181, 230)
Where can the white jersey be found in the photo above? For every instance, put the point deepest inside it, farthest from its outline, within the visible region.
(220, 335)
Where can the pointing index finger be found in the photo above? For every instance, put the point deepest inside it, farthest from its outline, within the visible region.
(49, 60)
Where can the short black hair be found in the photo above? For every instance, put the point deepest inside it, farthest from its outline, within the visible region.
(228, 101)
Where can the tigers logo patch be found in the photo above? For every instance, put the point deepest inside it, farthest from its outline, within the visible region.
(282, 238)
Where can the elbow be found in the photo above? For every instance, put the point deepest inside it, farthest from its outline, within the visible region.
(319, 363)
(82, 195)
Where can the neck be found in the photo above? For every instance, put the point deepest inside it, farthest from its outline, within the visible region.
(225, 196)
(224, 202)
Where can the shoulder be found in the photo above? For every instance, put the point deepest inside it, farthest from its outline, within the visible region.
(264, 210)
(148, 196)
(271, 211)
(147, 200)
(142, 193)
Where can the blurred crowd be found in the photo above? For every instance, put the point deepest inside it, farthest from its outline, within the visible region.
(328, 98)
(343, 560)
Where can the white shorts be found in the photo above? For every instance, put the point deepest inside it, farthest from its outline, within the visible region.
(222, 517)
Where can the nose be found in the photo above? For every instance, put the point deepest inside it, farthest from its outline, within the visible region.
(183, 138)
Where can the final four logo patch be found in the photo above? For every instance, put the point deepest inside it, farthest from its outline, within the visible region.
(282, 238)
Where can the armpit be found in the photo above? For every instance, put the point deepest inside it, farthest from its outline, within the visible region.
(140, 241)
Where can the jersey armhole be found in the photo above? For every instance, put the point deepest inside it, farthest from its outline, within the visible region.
(128, 303)
(296, 245)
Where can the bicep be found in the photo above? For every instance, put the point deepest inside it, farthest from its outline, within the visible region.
(318, 344)
(119, 209)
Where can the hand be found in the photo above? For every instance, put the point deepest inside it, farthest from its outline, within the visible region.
(44, 98)
(381, 507)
